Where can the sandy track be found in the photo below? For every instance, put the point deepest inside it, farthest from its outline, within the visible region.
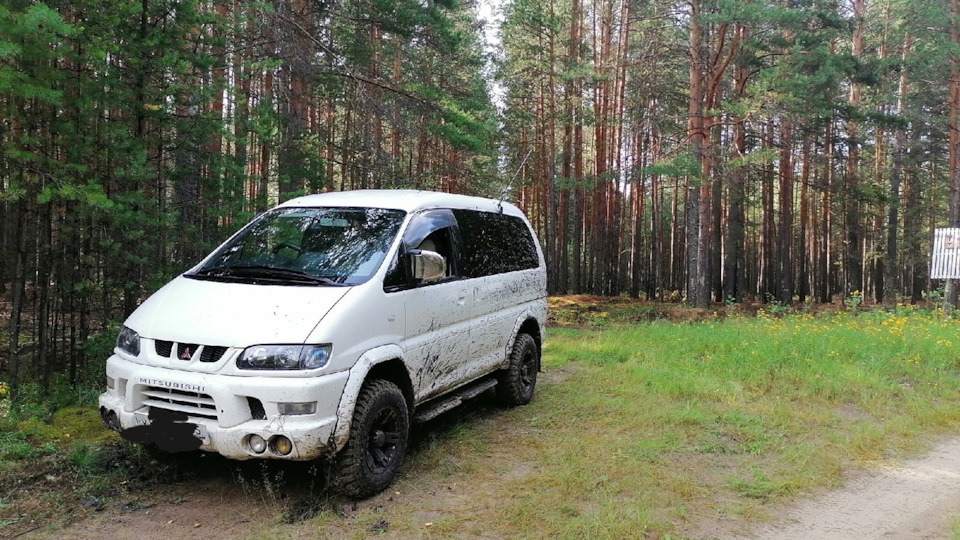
(914, 500)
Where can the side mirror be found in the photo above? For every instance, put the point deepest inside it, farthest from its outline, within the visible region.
(427, 266)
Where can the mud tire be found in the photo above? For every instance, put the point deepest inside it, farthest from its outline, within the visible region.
(515, 384)
(378, 440)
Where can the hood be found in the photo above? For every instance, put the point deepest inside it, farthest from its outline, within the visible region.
(233, 314)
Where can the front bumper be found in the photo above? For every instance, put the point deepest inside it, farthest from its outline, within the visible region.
(227, 409)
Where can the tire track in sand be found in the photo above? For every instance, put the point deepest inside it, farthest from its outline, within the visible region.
(915, 500)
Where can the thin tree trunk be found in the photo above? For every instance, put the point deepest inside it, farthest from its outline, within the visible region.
(853, 237)
(550, 204)
(805, 255)
(953, 124)
(785, 227)
(734, 256)
(768, 252)
(914, 239)
(715, 267)
(891, 279)
(657, 256)
(696, 261)
(17, 300)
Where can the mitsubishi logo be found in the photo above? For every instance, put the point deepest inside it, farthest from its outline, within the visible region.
(186, 354)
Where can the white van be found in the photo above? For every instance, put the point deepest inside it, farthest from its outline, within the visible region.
(330, 323)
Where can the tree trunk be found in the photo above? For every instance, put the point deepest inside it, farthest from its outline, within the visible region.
(19, 280)
(953, 124)
(696, 208)
(825, 267)
(892, 278)
(785, 226)
(805, 255)
(853, 236)
(768, 252)
(734, 256)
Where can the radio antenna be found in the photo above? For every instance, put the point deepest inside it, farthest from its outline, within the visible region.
(509, 185)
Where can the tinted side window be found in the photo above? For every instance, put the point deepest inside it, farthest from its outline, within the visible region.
(494, 244)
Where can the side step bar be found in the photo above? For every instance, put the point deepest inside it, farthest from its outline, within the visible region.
(432, 410)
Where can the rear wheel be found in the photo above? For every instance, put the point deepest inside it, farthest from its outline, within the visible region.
(378, 441)
(516, 383)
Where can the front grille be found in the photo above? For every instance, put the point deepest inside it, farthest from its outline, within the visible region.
(186, 352)
(191, 403)
(211, 353)
(163, 348)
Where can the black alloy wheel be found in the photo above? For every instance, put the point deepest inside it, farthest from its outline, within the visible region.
(385, 440)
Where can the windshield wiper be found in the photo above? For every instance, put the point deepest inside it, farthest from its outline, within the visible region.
(267, 272)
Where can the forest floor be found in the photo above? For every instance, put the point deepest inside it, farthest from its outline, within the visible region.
(196, 495)
(205, 497)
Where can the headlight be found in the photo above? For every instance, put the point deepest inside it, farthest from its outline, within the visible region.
(285, 357)
(129, 341)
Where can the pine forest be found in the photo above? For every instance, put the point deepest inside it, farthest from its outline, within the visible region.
(704, 151)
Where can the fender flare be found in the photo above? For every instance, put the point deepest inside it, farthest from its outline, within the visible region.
(525, 316)
(348, 400)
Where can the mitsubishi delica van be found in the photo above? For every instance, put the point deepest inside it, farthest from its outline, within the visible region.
(330, 324)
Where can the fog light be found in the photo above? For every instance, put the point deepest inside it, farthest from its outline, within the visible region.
(281, 445)
(297, 408)
(257, 444)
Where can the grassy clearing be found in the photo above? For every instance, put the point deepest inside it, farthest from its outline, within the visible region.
(651, 429)
(654, 429)
(664, 422)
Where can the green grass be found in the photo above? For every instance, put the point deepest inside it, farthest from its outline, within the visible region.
(655, 426)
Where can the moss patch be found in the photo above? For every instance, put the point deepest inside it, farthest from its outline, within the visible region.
(69, 426)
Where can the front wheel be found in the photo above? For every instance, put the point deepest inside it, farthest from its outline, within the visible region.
(378, 441)
(516, 383)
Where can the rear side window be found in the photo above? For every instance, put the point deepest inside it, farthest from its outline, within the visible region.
(494, 244)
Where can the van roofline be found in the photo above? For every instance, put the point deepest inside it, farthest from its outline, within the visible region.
(408, 200)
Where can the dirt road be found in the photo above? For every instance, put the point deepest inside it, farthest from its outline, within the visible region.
(918, 499)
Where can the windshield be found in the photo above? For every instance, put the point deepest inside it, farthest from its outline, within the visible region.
(303, 246)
